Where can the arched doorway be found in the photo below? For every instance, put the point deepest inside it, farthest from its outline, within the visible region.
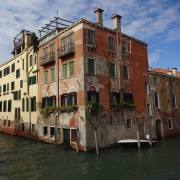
(159, 132)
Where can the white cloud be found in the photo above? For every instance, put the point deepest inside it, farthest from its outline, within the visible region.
(143, 19)
(154, 57)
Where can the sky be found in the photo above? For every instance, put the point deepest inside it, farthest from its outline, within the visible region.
(157, 22)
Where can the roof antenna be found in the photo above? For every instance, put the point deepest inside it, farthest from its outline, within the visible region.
(57, 13)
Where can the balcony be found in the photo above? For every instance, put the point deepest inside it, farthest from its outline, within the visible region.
(47, 59)
(67, 50)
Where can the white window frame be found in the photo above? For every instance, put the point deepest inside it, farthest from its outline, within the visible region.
(95, 72)
(68, 72)
(94, 39)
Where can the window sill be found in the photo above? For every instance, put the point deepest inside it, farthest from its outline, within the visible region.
(91, 45)
(89, 74)
(64, 78)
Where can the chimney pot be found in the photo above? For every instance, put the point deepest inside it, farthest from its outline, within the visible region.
(99, 16)
(116, 22)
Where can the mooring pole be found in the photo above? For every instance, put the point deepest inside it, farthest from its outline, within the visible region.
(138, 139)
(96, 142)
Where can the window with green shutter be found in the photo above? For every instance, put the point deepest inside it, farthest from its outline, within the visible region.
(91, 66)
(52, 74)
(71, 68)
(65, 71)
(45, 77)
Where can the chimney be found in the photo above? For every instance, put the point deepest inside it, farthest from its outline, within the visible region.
(116, 22)
(99, 17)
(174, 71)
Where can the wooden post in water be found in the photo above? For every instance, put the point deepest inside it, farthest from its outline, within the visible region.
(96, 141)
(138, 139)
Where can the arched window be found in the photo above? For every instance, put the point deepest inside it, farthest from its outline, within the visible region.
(92, 95)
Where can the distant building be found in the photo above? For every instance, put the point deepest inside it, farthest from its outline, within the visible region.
(165, 94)
(18, 87)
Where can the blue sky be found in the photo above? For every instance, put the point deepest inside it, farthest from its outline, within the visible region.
(156, 22)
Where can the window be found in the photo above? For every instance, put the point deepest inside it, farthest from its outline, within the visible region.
(115, 97)
(35, 60)
(17, 95)
(33, 104)
(71, 68)
(170, 123)
(126, 72)
(178, 122)
(0, 89)
(128, 97)
(45, 54)
(69, 99)
(52, 48)
(9, 105)
(9, 123)
(4, 106)
(68, 69)
(21, 83)
(7, 87)
(33, 127)
(22, 64)
(45, 130)
(17, 73)
(12, 85)
(49, 101)
(13, 67)
(30, 60)
(67, 45)
(32, 80)
(45, 77)
(6, 71)
(91, 37)
(64, 100)
(72, 98)
(27, 104)
(112, 70)
(4, 122)
(129, 123)
(65, 71)
(0, 106)
(0, 74)
(156, 100)
(93, 96)
(111, 43)
(23, 104)
(52, 74)
(91, 66)
(52, 131)
(125, 48)
(22, 127)
(4, 88)
(173, 101)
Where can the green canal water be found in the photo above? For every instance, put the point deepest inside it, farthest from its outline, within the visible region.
(22, 159)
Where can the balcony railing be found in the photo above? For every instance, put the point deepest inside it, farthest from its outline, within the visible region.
(66, 50)
(47, 59)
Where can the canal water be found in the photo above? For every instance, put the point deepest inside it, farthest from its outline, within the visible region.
(22, 159)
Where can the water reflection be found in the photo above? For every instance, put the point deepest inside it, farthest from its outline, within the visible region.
(26, 159)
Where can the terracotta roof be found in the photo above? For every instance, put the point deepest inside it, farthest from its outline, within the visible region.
(165, 71)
